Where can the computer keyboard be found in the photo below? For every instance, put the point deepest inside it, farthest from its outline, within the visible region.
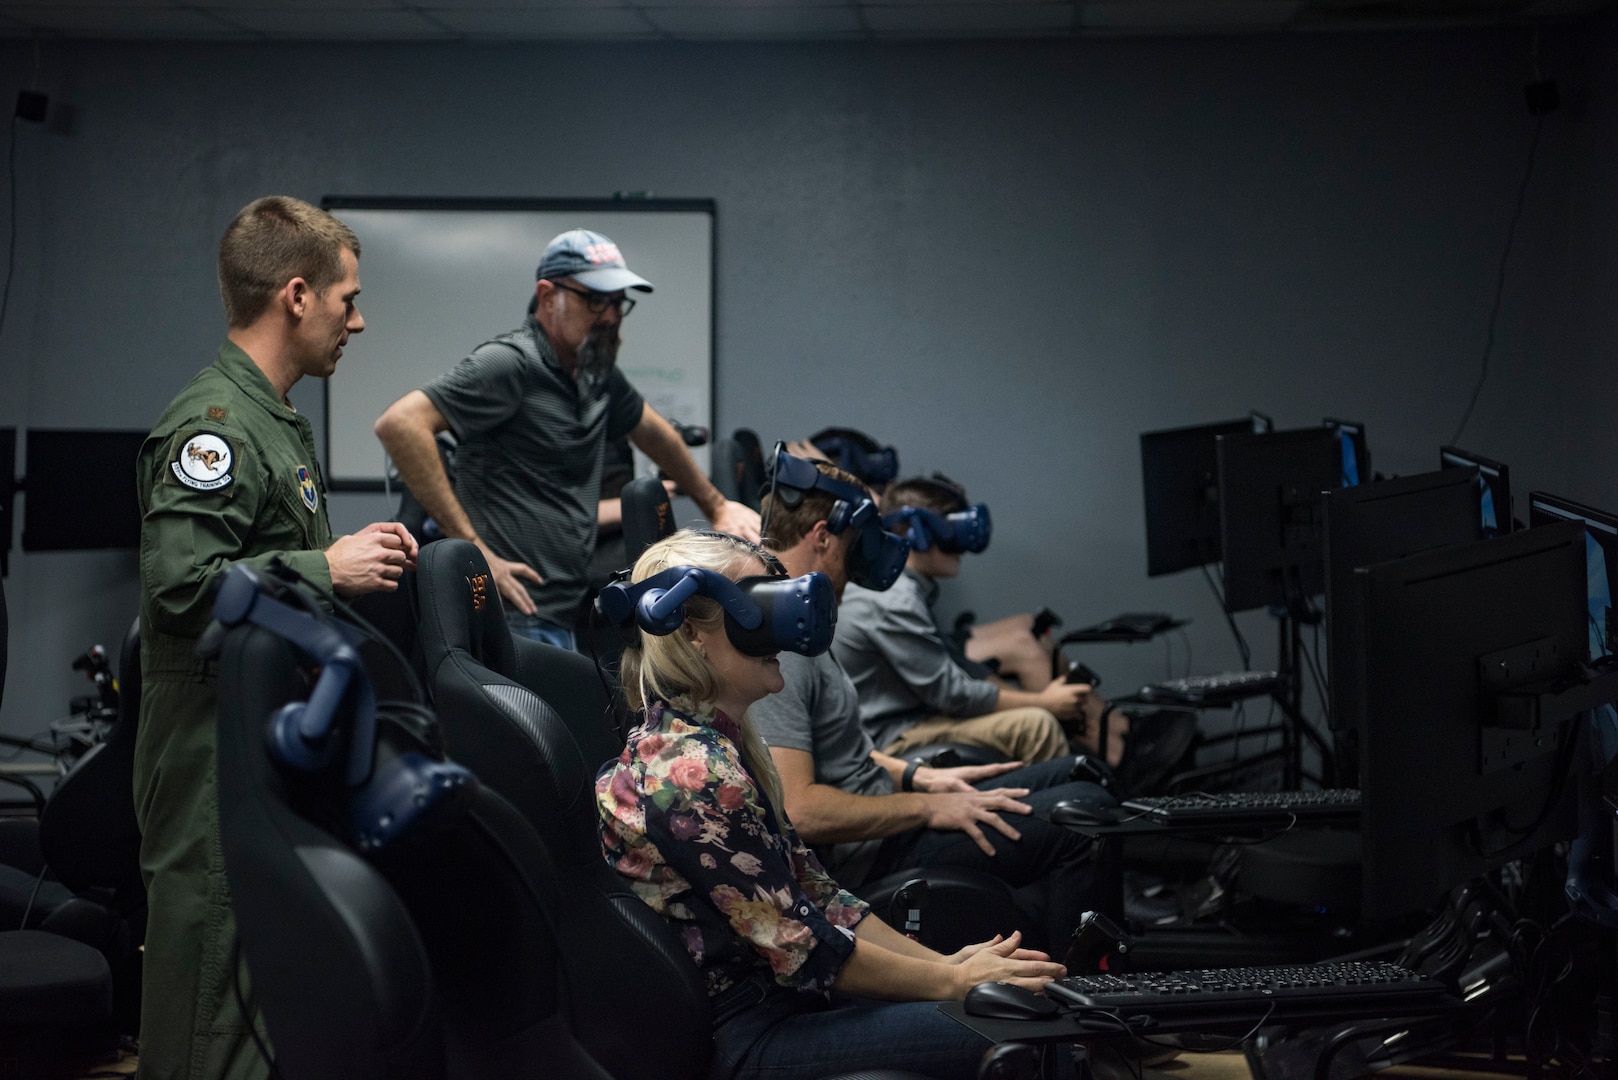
(1216, 990)
(1211, 691)
(1247, 807)
(1130, 626)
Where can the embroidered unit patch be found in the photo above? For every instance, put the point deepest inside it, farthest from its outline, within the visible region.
(203, 463)
(306, 485)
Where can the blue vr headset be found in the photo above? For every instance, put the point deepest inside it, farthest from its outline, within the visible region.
(390, 789)
(876, 558)
(764, 614)
(876, 467)
(964, 530)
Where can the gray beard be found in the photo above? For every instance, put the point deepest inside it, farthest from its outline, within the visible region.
(598, 353)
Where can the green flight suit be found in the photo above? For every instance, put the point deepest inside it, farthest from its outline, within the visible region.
(228, 475)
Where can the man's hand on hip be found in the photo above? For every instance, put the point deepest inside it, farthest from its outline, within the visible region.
(509, 576)
(371, 560)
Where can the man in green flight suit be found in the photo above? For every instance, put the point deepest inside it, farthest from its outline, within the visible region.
(229, 475)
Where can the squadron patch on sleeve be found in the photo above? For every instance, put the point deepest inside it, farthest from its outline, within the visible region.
(203, 462)
(306, 487)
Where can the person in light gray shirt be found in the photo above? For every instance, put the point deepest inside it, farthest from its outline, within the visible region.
(912, 690)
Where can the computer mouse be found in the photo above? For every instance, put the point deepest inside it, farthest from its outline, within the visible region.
(1074, 812)
(1007, 1001)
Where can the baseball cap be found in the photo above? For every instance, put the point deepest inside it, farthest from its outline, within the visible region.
(590, 259)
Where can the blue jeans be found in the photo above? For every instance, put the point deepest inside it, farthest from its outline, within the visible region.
(536, 628)
(1061, 863)
(791, 1035)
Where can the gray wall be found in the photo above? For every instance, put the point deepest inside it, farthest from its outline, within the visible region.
(1007, 259)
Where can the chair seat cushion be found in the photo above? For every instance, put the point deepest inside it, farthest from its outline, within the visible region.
(51, 980)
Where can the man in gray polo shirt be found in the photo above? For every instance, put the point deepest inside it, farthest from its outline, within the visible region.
(870, 814)
(533, 411)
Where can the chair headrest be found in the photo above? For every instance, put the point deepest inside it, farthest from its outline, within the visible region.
(648, 515)
(460, 607)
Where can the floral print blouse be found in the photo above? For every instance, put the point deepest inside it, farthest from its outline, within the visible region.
(683, 820)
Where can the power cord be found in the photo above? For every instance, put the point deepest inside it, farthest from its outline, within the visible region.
(247, 1016)
(1500, 280)
(1241, 642)
(29, 910)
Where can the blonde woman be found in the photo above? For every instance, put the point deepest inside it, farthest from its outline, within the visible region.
(690, 814)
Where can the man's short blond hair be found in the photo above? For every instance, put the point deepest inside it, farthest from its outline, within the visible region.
(272, 241)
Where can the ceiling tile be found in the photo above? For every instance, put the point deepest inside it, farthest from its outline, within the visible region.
(119, 22)
(326, 24)
(1186, 14)
(968, 20)
(599, 22)
(734, 23)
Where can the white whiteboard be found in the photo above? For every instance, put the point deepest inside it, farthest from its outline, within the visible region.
(440, 276)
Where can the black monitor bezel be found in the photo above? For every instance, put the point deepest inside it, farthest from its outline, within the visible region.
(73, 517)
(1362, 447)
(1424, 499)
(1422, 716)
(1604, 522)
(1171, 546)
(1465, 459)
(1263, 566)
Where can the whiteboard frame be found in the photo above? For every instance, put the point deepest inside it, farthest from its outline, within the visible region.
(453, 204)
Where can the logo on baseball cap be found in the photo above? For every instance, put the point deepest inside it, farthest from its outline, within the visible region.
(590, 259)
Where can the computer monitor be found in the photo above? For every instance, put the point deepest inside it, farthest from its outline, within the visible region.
(1494, 487)
(1377, 523)
(1180, 468)
(1269, 514)
(79, 493)
(1601, 561)
(1356, 454)
(1450, 788)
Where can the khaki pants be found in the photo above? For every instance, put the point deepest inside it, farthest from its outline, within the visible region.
(191, 1027)
(1028, 735)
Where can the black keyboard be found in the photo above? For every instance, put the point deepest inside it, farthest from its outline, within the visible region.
(1130, 626)
(1247, 807)
(1211, 691)
(1369, 984)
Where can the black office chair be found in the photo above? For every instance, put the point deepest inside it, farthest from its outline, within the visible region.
(56, 992)
(738, 468)
(435, 958)
(648, 515)
(536, 725)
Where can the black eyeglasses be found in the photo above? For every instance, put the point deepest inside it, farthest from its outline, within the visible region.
(597, 302)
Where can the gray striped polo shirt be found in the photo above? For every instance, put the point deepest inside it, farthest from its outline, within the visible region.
(528, 470)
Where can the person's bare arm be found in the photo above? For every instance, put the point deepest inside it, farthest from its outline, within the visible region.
(879, 972)
(827, 815)
(407, 431)
(955, 778)
(656, 438)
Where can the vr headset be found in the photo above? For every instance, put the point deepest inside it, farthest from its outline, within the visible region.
(876, 558)
(876, 467)
(964, 530)
(386, 757)
(764, 614)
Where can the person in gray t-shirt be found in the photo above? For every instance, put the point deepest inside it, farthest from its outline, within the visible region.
(533, 410)
(871, 814)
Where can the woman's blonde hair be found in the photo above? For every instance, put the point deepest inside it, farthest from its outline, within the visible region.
(660, 667)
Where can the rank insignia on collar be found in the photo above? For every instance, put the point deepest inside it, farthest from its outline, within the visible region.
(306, 485)
(216, 413)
